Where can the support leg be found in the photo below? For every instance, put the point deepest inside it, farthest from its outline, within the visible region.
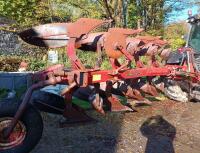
(73, 113)
(115, 104)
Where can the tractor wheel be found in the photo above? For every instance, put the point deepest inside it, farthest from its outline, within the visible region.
(27, 132)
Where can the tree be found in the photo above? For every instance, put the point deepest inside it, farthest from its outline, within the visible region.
(27, 13)
(149, 14)
(22, 11)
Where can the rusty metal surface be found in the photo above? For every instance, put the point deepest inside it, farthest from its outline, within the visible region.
(114, 102)
(71, 52)
(90, 42)
(73, 113)
(115, 40)
(84, 26)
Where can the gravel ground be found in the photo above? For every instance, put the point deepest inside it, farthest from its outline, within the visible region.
(165, 127)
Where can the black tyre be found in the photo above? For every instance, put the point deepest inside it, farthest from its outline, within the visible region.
(27, 132)
(41, 99)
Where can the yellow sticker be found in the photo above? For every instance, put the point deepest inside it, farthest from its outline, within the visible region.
(96, 77)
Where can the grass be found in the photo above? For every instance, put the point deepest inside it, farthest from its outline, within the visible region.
(11, 63)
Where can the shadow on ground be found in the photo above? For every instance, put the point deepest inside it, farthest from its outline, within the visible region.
(160, 135)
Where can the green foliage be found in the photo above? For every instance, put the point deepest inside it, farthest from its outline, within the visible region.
(88, 58)
(173, 33)
(12, 63)
(155, 32)
(9, 63)
(70, 10)
(106, 64)
(151, 13)
(36, 65)
(22, 11)
(27, 13)
(84, 8)
(133, 15)
(128, 13)
(177, 43)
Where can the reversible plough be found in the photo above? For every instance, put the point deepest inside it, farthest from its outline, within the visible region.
(117, 43)
(176, 76)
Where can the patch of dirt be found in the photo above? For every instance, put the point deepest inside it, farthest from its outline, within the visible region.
(165, 127)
